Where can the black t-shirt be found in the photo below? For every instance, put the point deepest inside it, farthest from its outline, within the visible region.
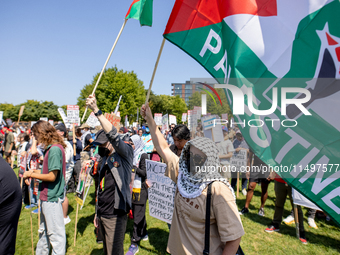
(106, 194)
(87, 140)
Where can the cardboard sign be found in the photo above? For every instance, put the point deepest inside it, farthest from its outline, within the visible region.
(21, 110)
(92, 120)
(114, 120)
(238, 160)
(165, 122)
(161, 192)
(158, 118)
(64, 117)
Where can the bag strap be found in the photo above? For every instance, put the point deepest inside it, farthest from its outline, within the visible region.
(207, 226)
(207, 222)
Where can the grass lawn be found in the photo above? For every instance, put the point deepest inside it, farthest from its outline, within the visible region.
(325, 240)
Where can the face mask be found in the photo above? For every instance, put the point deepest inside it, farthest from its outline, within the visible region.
(82, 131)
(103, 151)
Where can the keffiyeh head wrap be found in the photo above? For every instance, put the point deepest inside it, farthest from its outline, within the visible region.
(138, 151)
(192, 183)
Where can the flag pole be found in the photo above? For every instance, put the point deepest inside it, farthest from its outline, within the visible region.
(154, 70)
(107, 60)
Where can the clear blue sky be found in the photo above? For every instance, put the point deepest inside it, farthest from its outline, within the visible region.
(50, 49)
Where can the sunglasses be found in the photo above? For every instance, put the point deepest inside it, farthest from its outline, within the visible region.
(197, 159)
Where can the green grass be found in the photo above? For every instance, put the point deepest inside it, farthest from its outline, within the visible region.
(325, 240)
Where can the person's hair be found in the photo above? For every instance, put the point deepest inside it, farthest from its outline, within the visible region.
(181, 132)
(78, 132)
(47, 133)
(25, 136)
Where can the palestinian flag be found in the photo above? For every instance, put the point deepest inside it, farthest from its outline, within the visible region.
(142, 11)
(264, 48)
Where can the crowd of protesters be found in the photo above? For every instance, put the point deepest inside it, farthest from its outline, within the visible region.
(50, 159)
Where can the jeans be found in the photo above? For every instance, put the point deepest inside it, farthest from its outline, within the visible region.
(52, 229)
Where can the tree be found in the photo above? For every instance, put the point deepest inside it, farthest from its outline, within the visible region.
(114, 83)
(33, 111)
(168, 105)
(195, 100)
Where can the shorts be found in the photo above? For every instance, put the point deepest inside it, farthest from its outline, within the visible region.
(258, 175)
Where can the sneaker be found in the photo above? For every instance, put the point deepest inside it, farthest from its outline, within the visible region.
(145, 238)
(67, 220)
(30, 206)
(271, 229)
(289, 220)
(35, 211)
(244, 192)
(132, 250)
(261, 212)
(303, 240)
(311, 223)
(244, 211)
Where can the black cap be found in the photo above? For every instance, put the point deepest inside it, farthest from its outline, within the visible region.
(100, 138)
(61, 127)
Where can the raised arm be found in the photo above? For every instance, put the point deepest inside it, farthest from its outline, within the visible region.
(158, 139)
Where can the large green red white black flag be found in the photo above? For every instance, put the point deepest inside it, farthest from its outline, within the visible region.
(281, 59)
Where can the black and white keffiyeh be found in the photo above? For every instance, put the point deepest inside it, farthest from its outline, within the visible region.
(139, 149)
(192, 183)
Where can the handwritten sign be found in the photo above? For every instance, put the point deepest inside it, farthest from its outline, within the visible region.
(114, 120)
(158, 119)
(184, 117)
(237, 160)
(73, 114)
(172, 119)
(161, 192)
(64, 117)
(92, 120)
(165, 122)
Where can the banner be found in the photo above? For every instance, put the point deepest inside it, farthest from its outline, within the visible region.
(92, 120)
(73, 114)
(278, 63)
(165, 122)
(161, 192)
(299, 199)
(158, 118)
(172, 119)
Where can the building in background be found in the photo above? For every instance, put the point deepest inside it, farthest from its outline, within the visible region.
(185, 90)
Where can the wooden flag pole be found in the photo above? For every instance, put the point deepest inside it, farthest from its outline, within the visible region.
(296, 217)
(238, 184)
(75, 228)
(154, 70)
(107, 60)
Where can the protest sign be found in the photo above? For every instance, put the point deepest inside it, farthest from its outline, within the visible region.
(92, 120)
(161, 192)
(1, 116)
(73, 114)
(172, 119)
(114, 120)
(184, 117)
(238, 161)
(51, 122)
(32, 123)
(158, 119)
(44, 118)
(83, 179)
(224, 116)
(165, 122)
(64, 117)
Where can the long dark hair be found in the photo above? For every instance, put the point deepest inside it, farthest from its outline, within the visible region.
(181, 131)
(47, 133)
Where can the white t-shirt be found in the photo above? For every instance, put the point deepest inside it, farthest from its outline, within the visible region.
(224, 148)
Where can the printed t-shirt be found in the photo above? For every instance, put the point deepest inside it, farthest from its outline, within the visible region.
(188, 221)
(51, 191)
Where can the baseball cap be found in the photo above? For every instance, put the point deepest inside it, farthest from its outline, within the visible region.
(100, 138)
(224, 128)
(238, 132)
(61, 127)
(123, 129)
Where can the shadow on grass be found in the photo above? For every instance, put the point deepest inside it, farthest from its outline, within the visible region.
(93, 199)
(97, 252)
(158, 238)
(83, 223)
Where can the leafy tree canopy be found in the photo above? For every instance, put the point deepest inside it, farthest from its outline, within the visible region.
(112, 84)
